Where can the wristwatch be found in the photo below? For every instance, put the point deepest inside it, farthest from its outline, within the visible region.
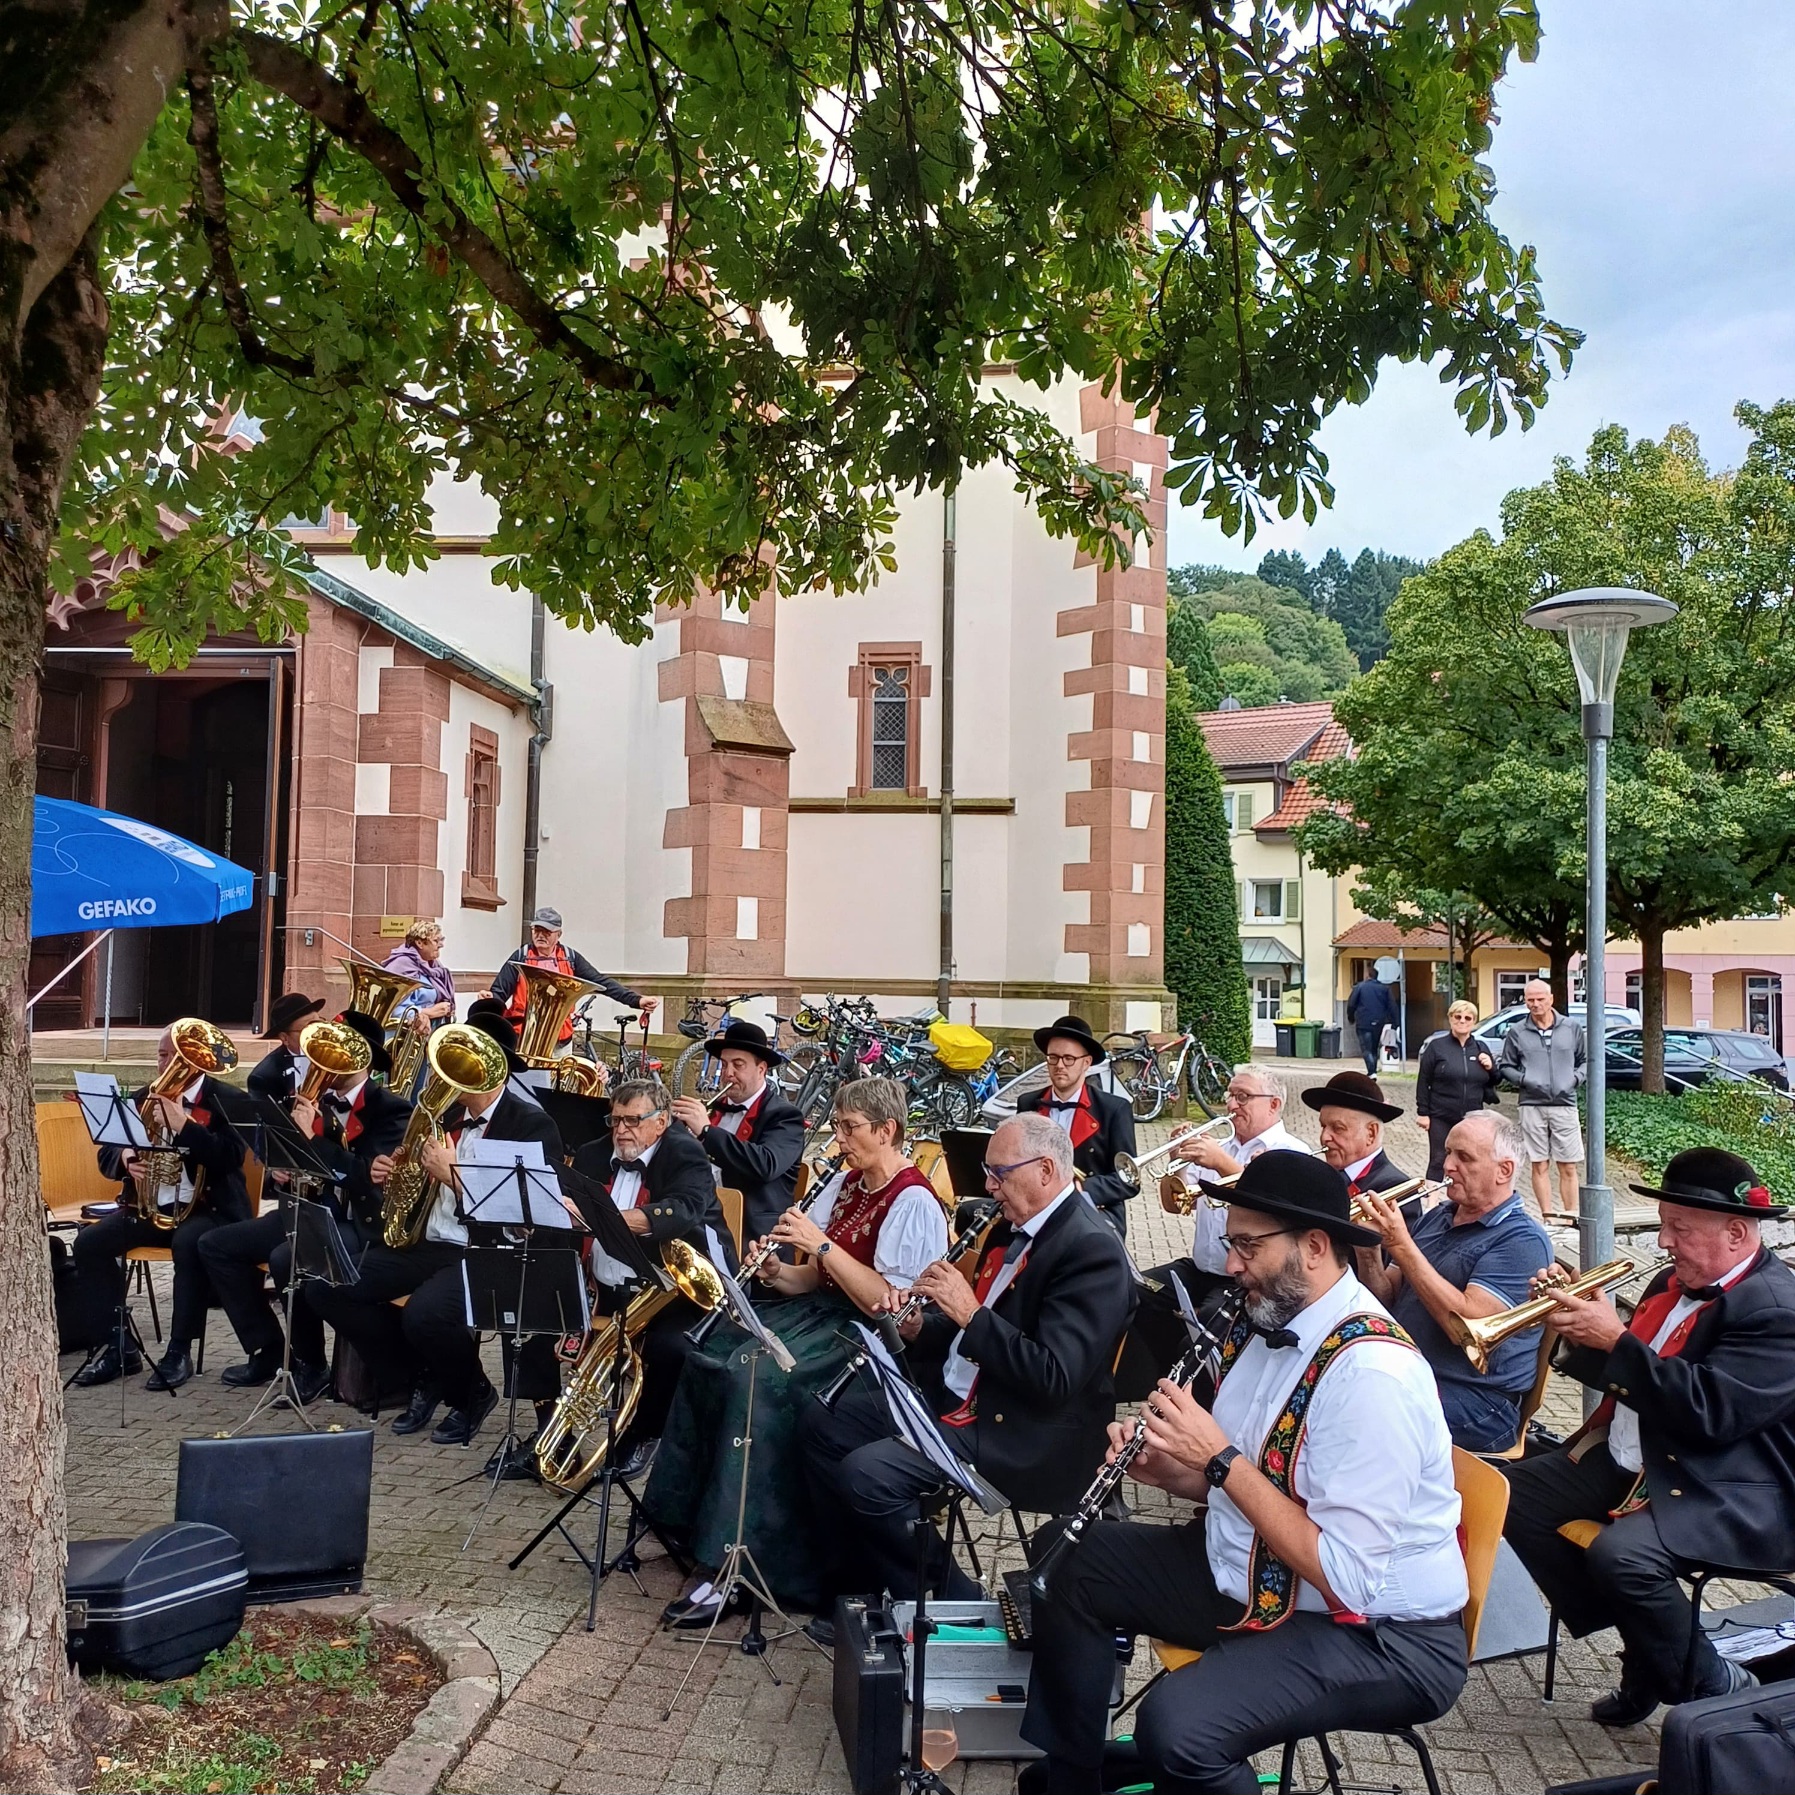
(827, 1244)
(1216, 1471)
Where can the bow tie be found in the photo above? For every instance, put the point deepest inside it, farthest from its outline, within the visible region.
(472, 1122)
(730, 1109)
(1696, 1293)
(1274, 1337)
(1062, 1103)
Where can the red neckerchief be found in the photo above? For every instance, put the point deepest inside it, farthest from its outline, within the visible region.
(745, 1128)
(989, 1266)
(198, 1112)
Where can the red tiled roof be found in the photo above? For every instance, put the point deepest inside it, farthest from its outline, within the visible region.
(1267, 735)
(1300, 801)
(1369, 932)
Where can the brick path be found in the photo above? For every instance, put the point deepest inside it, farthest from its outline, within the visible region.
(583, 1711)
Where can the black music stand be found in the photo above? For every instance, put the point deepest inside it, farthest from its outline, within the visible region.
(964, 1151)
(581, 1120)
(628, 1252)
(112, 1121)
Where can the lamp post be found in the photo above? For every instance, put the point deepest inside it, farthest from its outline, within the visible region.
(1597, 621)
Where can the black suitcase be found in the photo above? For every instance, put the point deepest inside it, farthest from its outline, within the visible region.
(154, 1607)
(1740, 1744)
(869, 1695)
(298, 1502)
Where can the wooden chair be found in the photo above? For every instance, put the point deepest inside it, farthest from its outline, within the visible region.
(69, 1172)
(930, 1159)
(732, 1214)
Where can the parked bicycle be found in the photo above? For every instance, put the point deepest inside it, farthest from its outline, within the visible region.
(1153, 1067)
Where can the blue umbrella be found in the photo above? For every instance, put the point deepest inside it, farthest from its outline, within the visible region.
(95, 869)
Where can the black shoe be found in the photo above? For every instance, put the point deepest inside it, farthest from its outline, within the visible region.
(458, 1426)
(519, 1463)
(635, 1462)
(258, 1369)
(103, 1367)
(699, 1615)
(820, 1630)
(1625, 1706)
(310, 1381)
(419, 1413)
(175, 1369)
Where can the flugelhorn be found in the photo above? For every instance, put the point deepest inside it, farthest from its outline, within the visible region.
(1132, 1170)
(1480, 1335)
(1397, 1193)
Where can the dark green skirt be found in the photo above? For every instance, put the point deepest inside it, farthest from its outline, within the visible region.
(695, 1486)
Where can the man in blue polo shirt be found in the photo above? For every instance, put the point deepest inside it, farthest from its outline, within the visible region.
(1475, 1254)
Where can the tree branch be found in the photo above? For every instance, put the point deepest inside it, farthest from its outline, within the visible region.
(345, 113)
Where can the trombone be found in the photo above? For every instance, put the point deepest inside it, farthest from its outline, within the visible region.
(1480, 1335)
(1132, 1170)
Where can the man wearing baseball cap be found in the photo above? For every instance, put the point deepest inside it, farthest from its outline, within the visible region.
(544, 949)
(1691, 1455)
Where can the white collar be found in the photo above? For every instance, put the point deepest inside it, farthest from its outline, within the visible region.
(1346, 1297)
(1352, 1171)
(1265, 1134)
(640, 1162)
(1036, 1222)
(349, 1097)
(190, 1096)
(1054, 1099)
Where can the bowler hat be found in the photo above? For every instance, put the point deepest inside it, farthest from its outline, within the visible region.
(1352, 1090)
(749, 1037)
(1299, 1187)
(375, 1036)
(1072, 1028)
(286, 1010)
(1711, 1178)
(490, 1019)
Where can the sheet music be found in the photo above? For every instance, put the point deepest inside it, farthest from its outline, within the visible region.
(918, 1428)
(112, 1121)
(742, 1313)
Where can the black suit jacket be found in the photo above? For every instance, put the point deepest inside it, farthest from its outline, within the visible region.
(1381, 1174)
(272, 1076)
(378, 1124)
(679, 1193)
(513, 1118)
(764, 1168)
(212, 1146)
(1096, 1156)
(1716, 1423)
(1045, 1396)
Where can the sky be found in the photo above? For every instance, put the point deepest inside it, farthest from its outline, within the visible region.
(1649, 155)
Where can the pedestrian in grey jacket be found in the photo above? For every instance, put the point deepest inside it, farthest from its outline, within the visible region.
(1545, 1060)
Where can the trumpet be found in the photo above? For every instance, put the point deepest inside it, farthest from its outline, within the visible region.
(1177, 1198)
(1132, 1169)
(1479, 1335)
(1397, 1193)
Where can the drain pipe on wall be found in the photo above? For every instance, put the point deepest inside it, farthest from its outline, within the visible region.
(544, 718)
(944, 983)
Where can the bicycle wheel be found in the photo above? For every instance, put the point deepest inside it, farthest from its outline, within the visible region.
(1140, 1075)
(1208, 1080)
(954, 1102)
(696, 1073)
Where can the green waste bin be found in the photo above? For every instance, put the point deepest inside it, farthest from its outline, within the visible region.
(1305, 1039)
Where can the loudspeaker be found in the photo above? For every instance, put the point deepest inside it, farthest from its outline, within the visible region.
(297, 1502)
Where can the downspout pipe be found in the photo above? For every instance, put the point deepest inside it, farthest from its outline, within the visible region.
(543, 715)
(944, 983)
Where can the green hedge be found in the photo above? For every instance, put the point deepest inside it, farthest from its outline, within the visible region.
(1651, 1129)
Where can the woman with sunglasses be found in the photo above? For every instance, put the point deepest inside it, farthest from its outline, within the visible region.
(1454, 1078)
(868, 1234)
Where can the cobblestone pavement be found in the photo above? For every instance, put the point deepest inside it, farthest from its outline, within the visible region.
(584, 1711)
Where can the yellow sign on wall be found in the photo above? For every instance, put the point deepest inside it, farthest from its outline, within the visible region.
(392, 928)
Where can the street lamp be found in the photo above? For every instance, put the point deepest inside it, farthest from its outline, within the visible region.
(1597, 621)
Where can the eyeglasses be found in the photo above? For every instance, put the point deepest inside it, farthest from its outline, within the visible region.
(1067, 1059)
(997, 1174)
(1244, 1246)
(632, 1124)
(1235, 1096)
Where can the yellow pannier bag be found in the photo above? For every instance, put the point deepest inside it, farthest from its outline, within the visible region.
(959, 1047)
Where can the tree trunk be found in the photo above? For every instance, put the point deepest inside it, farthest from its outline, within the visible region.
(1651, 1002)
(49, 378)
(1558, 959)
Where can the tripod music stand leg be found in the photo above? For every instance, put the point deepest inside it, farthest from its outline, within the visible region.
(917, 1775)
(285, 1387)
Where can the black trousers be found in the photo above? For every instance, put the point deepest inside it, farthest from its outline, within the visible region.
(1371, 1047)
(100, 1252)
(233, 1257)
(428, 1341)
(868, 1486)
(1247, 1693)
(1438, 1127)
(1625, 1579)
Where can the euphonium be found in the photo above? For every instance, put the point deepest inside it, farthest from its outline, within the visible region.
(1479, 1335)
(332, 1050)
(378, 993)
(549, 1000)
(573, 1441)
(463, 1063)
(199, 1048)
(577, 1075)
(1131, 1170)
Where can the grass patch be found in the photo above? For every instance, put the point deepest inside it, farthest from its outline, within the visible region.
(1651, 1130)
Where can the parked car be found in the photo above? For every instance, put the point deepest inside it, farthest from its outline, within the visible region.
(1493, 1028)
(1694, 1056)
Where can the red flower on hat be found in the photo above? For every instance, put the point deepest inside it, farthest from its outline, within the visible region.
(1758, 1197)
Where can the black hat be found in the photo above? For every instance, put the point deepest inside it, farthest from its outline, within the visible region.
(1072, 1028)
(375, 1036)
(1299, 1187)
(1711, 1178)
(286, 1010)
(1352, 1090)
(750, 1037)
(488, 1016)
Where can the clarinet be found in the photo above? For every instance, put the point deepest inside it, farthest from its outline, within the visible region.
(700, 1330)
(1215, 1331)
(963, 1243)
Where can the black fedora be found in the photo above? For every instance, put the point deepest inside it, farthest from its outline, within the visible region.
(748, 1037)
(286, 1010)
(1352, 1090)
(1711, 1178)
(1072, 1028)
(1299, 1187)
(375, 1036)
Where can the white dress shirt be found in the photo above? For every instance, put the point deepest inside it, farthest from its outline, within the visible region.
(1623, 1425)
(912, 1235)
(959, 1372)
(1059, 1109)
(167, 1197)
(1374, 1471)
(1354, 1172)
(445, 1223)
(1206, 1249)
(626, 1181)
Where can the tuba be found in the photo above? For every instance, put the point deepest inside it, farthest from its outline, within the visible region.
(332, 1050)
(571, 1447)
(463, 1062)
(200, 1048)
(549, 1000)
(378, 993)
